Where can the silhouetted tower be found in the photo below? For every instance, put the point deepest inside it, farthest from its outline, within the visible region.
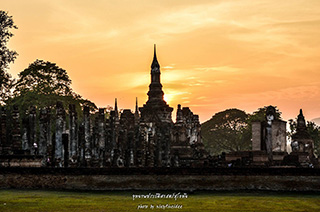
(155, 121)
(116, 108)
(155, 107)
(155, 88)
(136, 112)
(301, 122)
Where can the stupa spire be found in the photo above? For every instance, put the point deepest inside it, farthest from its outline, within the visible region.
(115, 105)
(137, 109)
(155, 63)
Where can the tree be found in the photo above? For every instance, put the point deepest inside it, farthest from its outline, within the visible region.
(42, 84)
(227, 131)
(6, 56)
(260, 114)
(44, 77)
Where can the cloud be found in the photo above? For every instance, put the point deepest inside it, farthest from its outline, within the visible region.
(218, 68)
(214, 54)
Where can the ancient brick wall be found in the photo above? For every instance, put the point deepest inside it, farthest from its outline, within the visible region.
(278, 179)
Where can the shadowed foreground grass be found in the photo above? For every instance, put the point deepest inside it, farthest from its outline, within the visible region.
(35, 200)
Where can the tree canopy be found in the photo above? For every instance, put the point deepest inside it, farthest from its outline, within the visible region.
(260, 114)
(227, 131)
(42, 84)
(230, 130)
(44, 77)
(7, 56)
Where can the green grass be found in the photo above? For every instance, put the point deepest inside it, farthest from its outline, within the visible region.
(36, 200)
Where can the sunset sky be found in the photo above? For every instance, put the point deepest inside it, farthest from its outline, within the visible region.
(214, 54)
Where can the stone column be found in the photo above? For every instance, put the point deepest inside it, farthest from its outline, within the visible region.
(159, 146)
(73, 132)
(25, 127)
(3, 131)
(65, 142)
(113, 138)
(95, 139)
(16, 134)
(108, 148)
(136, 144)
(166, 161)
(32, 137)
(81, 149)
(195, 131)
(87, 136)
(45, 132)
(1, 141)
(256, 136)
(269, 140)
(60, 127)
(101, 137)
(142, 145)
(150, 146)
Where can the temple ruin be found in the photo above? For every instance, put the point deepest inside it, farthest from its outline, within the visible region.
(61, 136)
(269, 145)
(146, 137)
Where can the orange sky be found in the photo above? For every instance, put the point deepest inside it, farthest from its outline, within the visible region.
(214, 54)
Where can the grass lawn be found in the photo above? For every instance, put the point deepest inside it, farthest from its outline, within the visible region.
(38, 200)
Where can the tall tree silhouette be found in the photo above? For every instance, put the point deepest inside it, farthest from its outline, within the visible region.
(42, 84)
(7, 56)
(44, 77)
(226, 131)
